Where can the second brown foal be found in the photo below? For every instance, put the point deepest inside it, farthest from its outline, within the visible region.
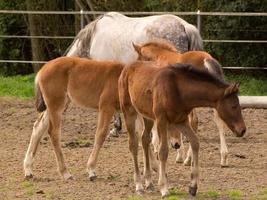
(166, 96)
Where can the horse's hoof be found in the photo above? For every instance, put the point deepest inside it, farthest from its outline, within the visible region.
(28, 177)
(150, 187)
(92, 177)
(224, 164)
(193, 190)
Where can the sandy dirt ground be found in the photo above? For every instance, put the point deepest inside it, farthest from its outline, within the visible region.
(247, 172)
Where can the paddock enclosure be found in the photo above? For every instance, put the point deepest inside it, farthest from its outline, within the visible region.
(246, 173)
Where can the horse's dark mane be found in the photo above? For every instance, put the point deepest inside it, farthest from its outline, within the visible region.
(197, 74)
(161, 43)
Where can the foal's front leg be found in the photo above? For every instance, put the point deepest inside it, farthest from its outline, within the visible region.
(163, 155)
(104, 118)
(194, 142)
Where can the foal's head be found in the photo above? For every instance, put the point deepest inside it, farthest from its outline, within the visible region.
(229, 110)
(150, 51)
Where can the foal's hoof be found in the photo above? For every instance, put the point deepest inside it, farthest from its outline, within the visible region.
(92, 177)
(193, 190)
(28, 177)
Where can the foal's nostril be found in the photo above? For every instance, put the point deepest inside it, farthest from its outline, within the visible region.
(177, 146)
(243, 131)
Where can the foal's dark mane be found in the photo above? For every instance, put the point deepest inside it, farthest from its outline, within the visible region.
(197, 74)
(161, 43)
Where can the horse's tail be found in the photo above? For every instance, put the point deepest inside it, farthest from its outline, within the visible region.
(214, 67)
(195, 40)
(39, 99)
(82, 42)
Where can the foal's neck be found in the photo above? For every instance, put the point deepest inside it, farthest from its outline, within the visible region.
(202, 93)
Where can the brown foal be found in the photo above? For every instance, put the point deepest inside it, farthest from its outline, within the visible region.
(87, 83)
(167, 95)
(164, 53)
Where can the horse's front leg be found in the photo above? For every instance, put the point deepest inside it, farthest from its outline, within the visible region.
(146, 140)
(105, 115)
(163, 155)
(194, 142)
(224, 149)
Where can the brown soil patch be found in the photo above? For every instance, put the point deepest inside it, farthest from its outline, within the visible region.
(247, 171)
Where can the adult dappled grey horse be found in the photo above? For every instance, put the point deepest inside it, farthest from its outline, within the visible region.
(111, 35)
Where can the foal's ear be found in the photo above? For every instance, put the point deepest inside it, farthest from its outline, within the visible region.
(137, 48)
(232, 88)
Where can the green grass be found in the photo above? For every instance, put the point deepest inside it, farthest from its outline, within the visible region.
(235, 194)
(23, 87)
(17, 86)
(29, 188)
(250, 84)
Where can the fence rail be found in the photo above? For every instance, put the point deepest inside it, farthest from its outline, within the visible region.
(198, 14)
(252, 14)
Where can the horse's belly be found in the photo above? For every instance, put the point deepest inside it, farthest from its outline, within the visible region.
(78, 97)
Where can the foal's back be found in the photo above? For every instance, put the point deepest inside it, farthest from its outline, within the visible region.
(84, 81)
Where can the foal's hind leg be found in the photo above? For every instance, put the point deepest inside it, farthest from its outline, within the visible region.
(39, 128)
(224, 150)
(104, 118)
(55, 135)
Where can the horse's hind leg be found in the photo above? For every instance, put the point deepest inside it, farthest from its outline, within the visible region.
(224, 149)
(104, 118)
(146, 140)
(55, 135)
(39, 128)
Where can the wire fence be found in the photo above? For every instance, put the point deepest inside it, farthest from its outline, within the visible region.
(82, 13)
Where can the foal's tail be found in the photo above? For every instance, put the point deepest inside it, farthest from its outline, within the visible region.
(82, 41)
(39, 100)
(195, 40)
